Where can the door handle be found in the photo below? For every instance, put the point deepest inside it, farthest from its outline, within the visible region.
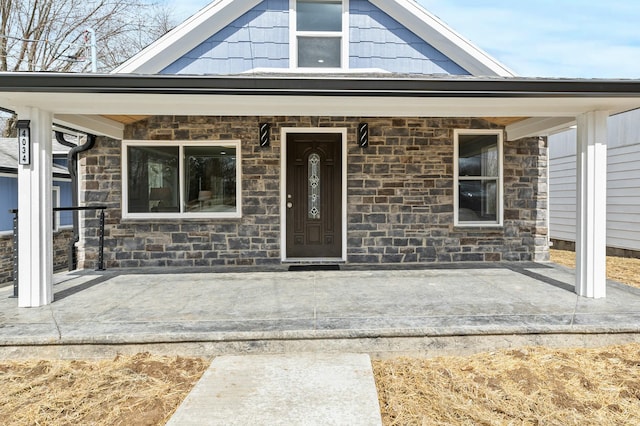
(289, 204)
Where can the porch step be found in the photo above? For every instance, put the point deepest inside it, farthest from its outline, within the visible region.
(288, 389)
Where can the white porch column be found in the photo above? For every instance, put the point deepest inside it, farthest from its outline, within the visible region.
(35, 219)
(591, 208)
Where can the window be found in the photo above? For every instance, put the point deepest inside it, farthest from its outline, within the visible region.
(62, 196)
(478, 177)
(319, 33)
(181, 179)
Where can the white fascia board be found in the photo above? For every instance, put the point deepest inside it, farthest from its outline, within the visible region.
(91, 124)
(538, 126)
(444, 38)
(186, 36)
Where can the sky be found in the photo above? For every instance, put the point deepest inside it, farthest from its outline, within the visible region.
(537, 38)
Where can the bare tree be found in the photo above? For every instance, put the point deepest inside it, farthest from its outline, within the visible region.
(51, 35)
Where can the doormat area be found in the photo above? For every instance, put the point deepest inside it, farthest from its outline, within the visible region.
(314, 267)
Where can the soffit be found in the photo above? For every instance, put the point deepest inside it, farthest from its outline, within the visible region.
(504, 121)
(126, 119)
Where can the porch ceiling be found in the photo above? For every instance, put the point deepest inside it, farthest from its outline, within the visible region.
(504, 121)
(126, 119)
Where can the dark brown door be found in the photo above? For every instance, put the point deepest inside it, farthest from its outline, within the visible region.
(314, 195)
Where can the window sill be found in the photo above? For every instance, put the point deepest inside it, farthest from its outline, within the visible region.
(180, 216)
(491, 226)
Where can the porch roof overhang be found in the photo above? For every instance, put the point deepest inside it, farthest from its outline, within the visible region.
(551, 103)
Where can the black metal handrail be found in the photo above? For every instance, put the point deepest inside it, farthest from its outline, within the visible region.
(100, 266)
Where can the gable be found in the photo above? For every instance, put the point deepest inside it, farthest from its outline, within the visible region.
(260, 39)
(235, 36)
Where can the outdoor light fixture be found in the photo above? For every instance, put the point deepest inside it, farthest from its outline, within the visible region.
(265, 134)
(363, 135)
(24, 142)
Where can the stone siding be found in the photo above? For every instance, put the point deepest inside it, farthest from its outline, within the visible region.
(61, 240)
(400, 197)
(6, 259)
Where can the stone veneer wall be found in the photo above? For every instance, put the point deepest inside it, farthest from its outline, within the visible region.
(400, 197)
(6, 259)
(61, 240)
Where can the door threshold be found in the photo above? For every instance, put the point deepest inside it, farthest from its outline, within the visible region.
(315, 267)
(313, 260)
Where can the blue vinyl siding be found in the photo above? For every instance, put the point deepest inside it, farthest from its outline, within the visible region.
(258, 39)
(9, 194)
(378, 41)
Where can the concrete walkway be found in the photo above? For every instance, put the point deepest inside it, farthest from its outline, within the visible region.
(292, 389)
(381, 312)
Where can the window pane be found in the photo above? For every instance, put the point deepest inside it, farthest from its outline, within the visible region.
(314, 186)
(153, 179)
(319, 16)
(319, 52)
(478, 155)
(477, 200)
(210, 180)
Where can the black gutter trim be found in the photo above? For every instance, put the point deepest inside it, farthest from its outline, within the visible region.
(315, 86)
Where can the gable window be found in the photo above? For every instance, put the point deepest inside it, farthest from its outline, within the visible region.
(181, 179)
(478, 177)
(318, 34)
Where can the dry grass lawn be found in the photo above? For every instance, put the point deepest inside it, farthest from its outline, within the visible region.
(529, 386)
(131, 390)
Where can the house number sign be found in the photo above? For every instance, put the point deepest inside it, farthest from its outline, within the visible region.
(24, 142)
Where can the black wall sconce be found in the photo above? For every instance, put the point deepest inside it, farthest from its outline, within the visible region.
(363, 135)
(265, 135)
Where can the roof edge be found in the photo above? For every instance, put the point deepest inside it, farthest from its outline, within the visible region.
(186, 36)
(441, 36)
(450, 86)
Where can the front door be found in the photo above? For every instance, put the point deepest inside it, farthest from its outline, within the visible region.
(314, 195)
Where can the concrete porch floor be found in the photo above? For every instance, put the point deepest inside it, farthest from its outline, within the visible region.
(383, 312)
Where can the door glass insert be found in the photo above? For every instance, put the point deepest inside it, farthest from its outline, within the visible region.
(314, 186)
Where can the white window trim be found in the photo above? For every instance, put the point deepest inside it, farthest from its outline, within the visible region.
(181, 215)
(456, 187)
(58, 214)
(293, 40)
(55, 201)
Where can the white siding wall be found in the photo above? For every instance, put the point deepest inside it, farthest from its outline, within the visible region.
(623, 183)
